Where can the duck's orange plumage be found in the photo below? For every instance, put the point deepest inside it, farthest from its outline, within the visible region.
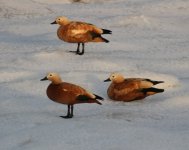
(79, 32)
(68, 93)
(131, 89)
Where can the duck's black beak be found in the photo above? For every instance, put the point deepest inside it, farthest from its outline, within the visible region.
(54, 22)
(45, 78)
(107, 80)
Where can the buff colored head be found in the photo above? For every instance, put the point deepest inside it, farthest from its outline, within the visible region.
(53, 77)
(61, 20)
(116, 78)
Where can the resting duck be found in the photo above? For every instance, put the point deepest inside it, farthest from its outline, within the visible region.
(131, 89)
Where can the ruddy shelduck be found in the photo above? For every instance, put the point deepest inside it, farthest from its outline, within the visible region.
(68, 93)
(130, 89)
(79, 32)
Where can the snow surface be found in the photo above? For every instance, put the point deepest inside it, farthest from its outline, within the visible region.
(150, 39)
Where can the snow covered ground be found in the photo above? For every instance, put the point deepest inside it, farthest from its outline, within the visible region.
(150, 39)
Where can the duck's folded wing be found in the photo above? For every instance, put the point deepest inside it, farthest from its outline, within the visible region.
(82, 28)
(76, 90)
(141, 82)
(72, 89)
(125, 88)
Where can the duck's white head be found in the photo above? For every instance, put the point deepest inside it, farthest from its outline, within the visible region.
(116, 78)
(61, 20)
(53, 77)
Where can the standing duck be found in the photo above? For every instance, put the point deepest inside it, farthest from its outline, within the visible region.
(131, 89)
(79, 32)
(68, 93)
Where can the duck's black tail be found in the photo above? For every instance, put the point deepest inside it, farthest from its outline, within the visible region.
(105, 31)
(98, 97)
(98, 38)
(155, 90)
(87, 99)
(157, 82)
(154, 82)
(104, 40)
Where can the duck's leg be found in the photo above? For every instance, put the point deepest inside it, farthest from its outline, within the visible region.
(69, 115)
(83, 49)
(77, 51)
(78, 46)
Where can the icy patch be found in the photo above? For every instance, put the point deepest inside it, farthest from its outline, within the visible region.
(140, 20)
(11, 76)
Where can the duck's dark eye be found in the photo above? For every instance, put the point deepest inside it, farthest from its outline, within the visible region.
(59, 19)
(113, 76)
(50, 75)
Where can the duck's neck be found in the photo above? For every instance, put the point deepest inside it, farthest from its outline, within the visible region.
(65, 22)
(119, 80)
(57, 81)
